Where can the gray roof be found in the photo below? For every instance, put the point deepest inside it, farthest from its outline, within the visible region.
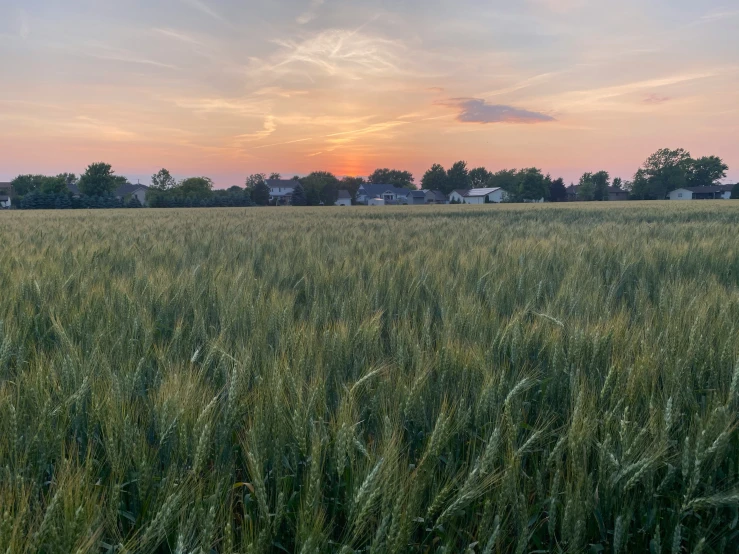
(5, 185)
(461, 192)
(344, 194)
(439, 195)
(371, 189)
(416, 194)
(712, 189)
(73, 188)
(282, 183)
(128, 188)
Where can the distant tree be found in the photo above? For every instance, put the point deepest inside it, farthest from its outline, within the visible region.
(479, 177)
(735, 192)
(586, 189)
(458, 177)
(321, 186)
(351, 184)
(435, 179)
(663, 171)
(195, 187)
(507, 179)
(163, 180)
(557, 190)
(234, 188)
(618, 183)
(532, 184)
(260, 193)
(253, 180)
(53, 185)
(275, 176)
(295, 178)
(706, 171)
(134, 202)
(395, 177)
(99, 179)
(601, 182)
(299, 198)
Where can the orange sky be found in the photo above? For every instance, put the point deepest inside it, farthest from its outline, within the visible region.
(218, 88)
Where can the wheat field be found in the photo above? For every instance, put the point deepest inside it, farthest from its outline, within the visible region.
(492, 379)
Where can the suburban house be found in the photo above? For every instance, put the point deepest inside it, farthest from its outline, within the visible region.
(281, 190)
(716, 192)
(415, 198)
(128, 191)
(345, 198)
(615, 194)
(478, 196)
(389, 193)
(6, 195)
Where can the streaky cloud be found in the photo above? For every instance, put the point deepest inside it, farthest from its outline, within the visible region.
(477, 110)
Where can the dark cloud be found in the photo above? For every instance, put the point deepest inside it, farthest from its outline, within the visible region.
(656, 99)
(477, 110)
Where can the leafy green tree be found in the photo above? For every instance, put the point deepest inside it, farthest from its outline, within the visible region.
(706, 171)
(195, 187)
(532, 184)
(395, 177)
(618, 183)
(320, 186)
(351, 184)
(299, 198)
(435, 179)
(260, 193)
(275, 176)
(458, 177)
(586, 190)
(99, 179)
(254, 179)
(663, 171)
(163, 180)
(601, 182)
(479, 177)
(507, 179)
(557, 190)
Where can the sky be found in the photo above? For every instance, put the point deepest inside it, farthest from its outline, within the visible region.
(226, 88)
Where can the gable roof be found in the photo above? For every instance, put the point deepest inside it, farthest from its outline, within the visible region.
(439, 195)
(128, 188)
(461, 192)
(712, 189)
(6, 186)
(282, 183)
(481, 192)
(372, 189)
(344, 195)
(416, 194)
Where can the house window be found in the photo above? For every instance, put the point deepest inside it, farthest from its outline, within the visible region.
(679, 194)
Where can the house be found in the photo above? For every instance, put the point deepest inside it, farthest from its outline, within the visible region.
(128, 191)
(281, 190)
(436, 197)
(716, 192)
(478, 196)
(415, 198)
(615, 194)
(6, 195)
(345, 198)
(376, 202)
(389, 193)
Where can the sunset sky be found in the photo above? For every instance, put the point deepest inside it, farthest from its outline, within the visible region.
(225, 88)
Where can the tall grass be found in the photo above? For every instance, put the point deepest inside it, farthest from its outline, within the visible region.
(486, 379)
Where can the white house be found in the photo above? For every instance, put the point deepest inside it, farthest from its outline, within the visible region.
(128, 191)
(281, 190)
(716, 192)
(345, 199)
(6, 194)
(478, 196)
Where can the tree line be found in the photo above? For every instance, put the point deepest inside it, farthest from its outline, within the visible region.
(663, 171)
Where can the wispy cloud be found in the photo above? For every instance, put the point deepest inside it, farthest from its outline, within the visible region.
(203, 7)
(310, 15)
(477, 110)
(656, 99)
